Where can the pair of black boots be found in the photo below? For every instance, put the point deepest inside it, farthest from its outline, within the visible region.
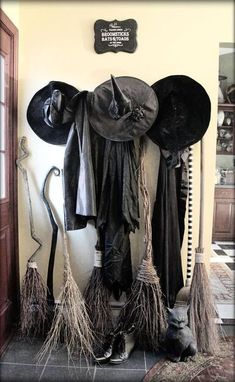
(117, 347)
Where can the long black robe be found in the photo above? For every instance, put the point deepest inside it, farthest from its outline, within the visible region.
(168, 227)
(113, 174)
(118, 213)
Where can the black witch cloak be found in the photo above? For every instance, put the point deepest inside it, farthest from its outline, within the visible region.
(168, 226)
(118, 213)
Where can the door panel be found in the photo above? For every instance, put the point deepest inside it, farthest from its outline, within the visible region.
(9, 269)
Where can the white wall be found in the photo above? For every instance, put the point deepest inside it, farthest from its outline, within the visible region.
(56, 43)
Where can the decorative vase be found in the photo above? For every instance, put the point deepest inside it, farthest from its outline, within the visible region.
(221, 98)
(220, 117)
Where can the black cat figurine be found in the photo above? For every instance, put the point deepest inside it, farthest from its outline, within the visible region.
(179, 342)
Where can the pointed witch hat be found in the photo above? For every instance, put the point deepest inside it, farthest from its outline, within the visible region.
(184, 113)
(122, 108)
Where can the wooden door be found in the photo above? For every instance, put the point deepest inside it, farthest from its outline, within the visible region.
(9, 269)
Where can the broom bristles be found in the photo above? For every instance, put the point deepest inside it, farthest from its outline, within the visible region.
(71, 324)
(145, 308)
(33, 303)
(202, 311)
(96, 297)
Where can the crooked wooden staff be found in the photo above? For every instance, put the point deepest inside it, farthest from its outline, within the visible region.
(33, 292)
(50, 294)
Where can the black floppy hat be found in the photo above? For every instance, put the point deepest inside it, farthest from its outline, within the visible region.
(184, 113)
(50, 112)
(122, 108)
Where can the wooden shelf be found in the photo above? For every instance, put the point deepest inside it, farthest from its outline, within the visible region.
(229, 111)
(227, 105)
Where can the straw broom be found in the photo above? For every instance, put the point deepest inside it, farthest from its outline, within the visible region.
(71, 324)
(144, 307)
(97, 297)
(202, 311)
(33, 292)
(183, 294)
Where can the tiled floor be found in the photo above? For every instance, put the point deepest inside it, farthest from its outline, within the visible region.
(19, 364)
(223, 279)
(19, 361)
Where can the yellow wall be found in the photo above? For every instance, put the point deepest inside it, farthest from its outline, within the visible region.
(56, 43)
(11, 8)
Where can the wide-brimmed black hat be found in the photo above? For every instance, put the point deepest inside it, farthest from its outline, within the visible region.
(184, 113)
(50, 112)
(122, 108)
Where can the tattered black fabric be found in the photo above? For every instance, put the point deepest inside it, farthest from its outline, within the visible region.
(76, 162)
(168, 227)
(118, 213)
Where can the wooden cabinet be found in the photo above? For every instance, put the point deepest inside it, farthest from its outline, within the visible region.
(226, 129)
(224, 214)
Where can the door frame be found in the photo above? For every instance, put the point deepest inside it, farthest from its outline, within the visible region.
(12, 31)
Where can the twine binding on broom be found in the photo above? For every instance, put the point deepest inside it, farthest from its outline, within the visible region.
(33, 291)
(202, 310)
(144, 307)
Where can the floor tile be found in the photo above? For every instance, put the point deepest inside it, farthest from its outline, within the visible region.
(22, 351)
(228, 330)
(13, 373)
(227, 246)
(226, 310)
(60, 357)
(135, 361)
(231, 266)
(66, 374)
(222, 259)
(151, 358)
(219, 252)
(114, 375)
(230, 252)
(229, 321)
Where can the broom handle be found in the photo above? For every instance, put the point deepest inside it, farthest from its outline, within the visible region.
(202, 190)
(146, 203)
(190, 217)
(65, 237)
(24, 154)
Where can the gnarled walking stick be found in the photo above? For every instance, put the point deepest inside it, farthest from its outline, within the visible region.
(33, 292)
(50, 295)
(24, 153)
